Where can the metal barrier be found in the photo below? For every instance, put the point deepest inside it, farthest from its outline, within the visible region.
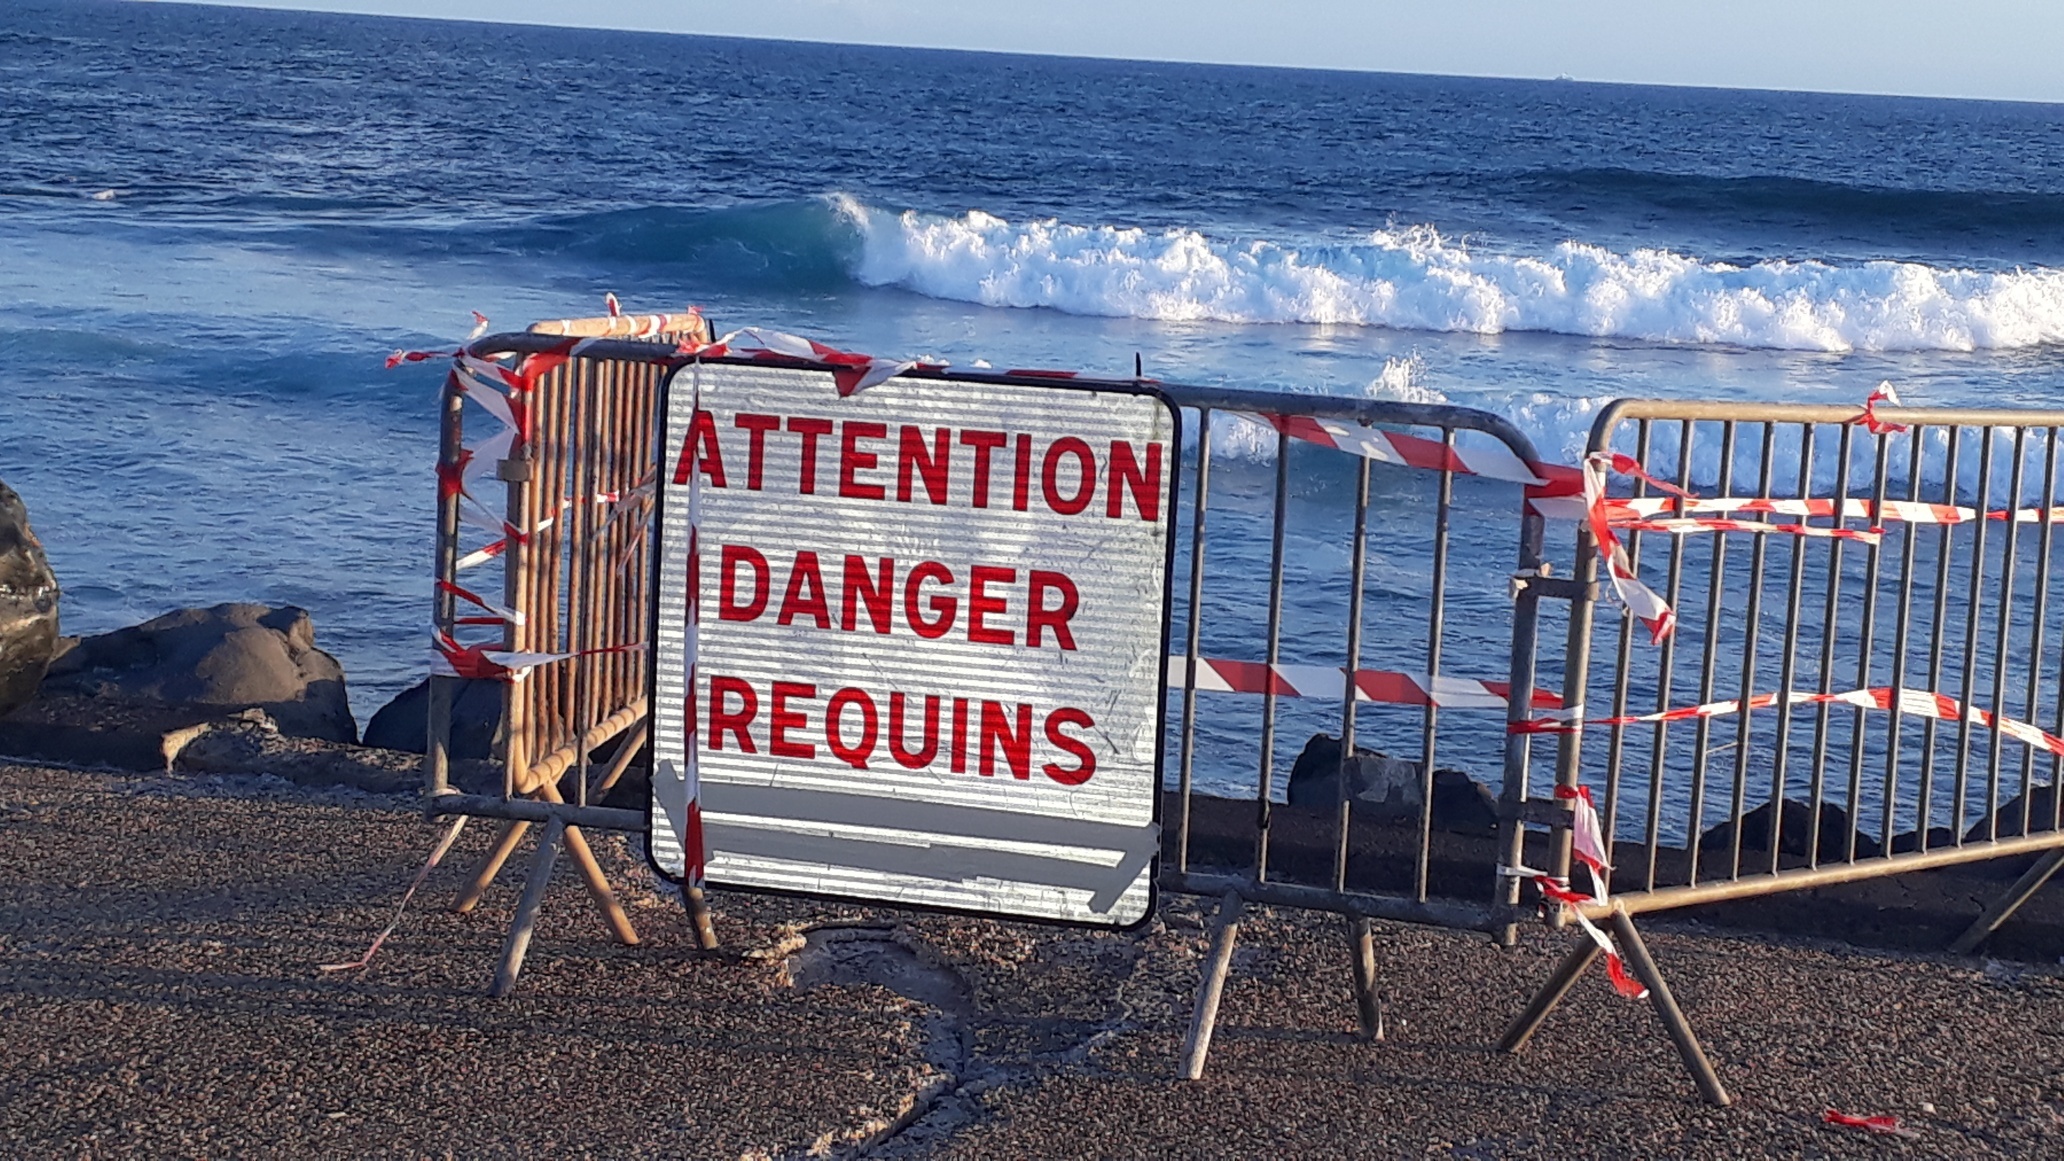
(576, 603)
(1860, 573)
(1833, 702)
(578, 462)
(1391, 862)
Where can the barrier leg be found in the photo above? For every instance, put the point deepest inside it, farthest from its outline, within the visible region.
(1212, 987)
(2003, 908)
(1368, 1004)
(518, 944)
(1580, 957)
(698, 910)
(613, 916)
(489, 866)
(634, 740)
(1694, 1057)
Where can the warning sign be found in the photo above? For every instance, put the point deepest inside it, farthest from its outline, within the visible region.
(915, 635)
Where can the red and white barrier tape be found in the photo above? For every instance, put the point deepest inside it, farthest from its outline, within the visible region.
(692, 850)
(1587, 837)
(1638, 599)
(1494, 462)
(1627, 509)
(1216, 675)
(483, 663)
(1914, 702)
(1883, 393)
(1680, 526)
(1887, 1126)
(851, 372)
(437, 854)
(1587, 845)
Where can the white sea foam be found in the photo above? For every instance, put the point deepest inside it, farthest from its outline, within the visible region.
(1417, 279)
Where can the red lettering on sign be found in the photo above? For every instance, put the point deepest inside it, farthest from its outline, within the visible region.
(834, 727)
(928, 740)
(728, 606)
(806, 470)
(943, 605)
(1145, 486)
(853, 460)
(879, 596)
(981, 604)
(911, 460)
(756, 428)
(1085, 758)
(959, 763)
(1085, 476)
(1016, 744)
(723, 721)
(1038, 617)
(1003, 738)
(803, 575)
(781, 719)
(1021, 481)
(983, 442)
(699, 450)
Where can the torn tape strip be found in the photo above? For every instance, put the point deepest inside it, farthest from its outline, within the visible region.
(1217, 675)
(1919, 703)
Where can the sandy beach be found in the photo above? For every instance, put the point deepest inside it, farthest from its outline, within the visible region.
(159, 995)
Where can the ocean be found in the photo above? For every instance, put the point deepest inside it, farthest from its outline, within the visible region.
(214, 223)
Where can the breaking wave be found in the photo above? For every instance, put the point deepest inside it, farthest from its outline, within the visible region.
(1418, 279)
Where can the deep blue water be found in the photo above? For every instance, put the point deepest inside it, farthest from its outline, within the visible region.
(191, 396)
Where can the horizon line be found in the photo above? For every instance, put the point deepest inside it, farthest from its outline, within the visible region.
(1559, 78)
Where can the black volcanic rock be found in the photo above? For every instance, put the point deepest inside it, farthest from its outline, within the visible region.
(28, 605)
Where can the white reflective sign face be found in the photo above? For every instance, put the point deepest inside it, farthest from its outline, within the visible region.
(929, 653)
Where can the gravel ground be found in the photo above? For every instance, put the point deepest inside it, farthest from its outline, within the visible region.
(159, 996)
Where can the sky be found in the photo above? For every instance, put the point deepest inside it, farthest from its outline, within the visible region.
(2001, 49)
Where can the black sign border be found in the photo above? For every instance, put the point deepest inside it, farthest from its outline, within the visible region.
(1053, 381)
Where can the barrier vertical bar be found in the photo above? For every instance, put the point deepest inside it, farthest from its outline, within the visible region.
(1358, 572)
(445, 562)
(1830, 624)
(1943, 547)
(1191, 646)
(1795, 583)
(1971, 620)
(1616, 737)
(1519, 701)
(1263, 803)
(1895, 734)
(1743, 732)
(1702, 730)
(2035, 648)
(1436, 629)
(2009, 558)
(1866, 646)
(1666, 668)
